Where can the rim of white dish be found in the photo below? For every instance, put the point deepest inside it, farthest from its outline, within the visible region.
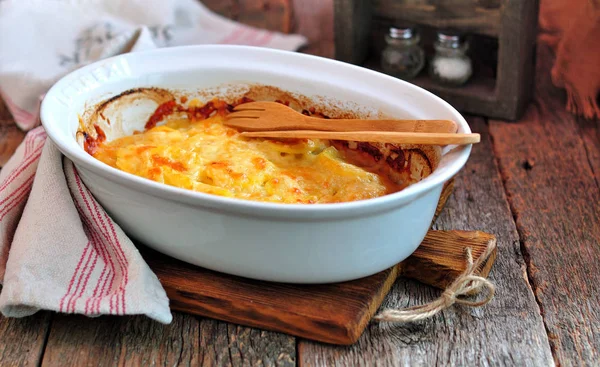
(242, 206)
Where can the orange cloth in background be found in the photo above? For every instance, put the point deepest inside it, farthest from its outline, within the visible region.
(572, 29)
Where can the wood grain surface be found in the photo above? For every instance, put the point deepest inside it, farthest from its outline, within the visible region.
(22, 341)
(589, 130)
(274, 15)
(352, 24)
(224, 344)
(139, 341)
(10, 135)
(552, 186)
(440, 259)
(124, 341)
(472, 16)
(509, 331)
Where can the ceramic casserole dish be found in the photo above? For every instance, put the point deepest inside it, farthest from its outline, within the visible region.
(297, 243)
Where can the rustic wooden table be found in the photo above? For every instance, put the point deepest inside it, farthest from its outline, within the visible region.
(534, 183)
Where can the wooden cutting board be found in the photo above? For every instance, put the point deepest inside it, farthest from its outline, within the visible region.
(332, 313)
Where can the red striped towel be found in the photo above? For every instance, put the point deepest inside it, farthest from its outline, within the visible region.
(66, 253)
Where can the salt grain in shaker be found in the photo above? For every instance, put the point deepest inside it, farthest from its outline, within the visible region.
(403, 57)
(450, 65)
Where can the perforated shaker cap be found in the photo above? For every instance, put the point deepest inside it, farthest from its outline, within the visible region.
(450, 39)
(402, 33)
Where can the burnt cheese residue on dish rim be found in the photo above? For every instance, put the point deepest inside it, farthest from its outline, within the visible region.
(273, 170)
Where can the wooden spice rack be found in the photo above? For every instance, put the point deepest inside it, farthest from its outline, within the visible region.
(501, 34)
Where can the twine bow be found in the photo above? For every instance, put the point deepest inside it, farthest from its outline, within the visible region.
(463, 285)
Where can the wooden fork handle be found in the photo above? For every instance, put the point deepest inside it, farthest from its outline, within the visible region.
(343, 125)
(372, 136)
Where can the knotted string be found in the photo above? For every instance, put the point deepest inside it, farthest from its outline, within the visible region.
(463, 285)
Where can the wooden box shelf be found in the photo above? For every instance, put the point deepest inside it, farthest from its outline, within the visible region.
(501, 33)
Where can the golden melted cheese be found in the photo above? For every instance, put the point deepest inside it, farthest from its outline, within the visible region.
(210, 157)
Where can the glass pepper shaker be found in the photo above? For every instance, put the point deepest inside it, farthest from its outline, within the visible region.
(403, 57)
(450, 65)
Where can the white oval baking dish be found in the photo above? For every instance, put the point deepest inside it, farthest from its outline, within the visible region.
(317, 243)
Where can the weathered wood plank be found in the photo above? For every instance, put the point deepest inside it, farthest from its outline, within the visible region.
(555, 198)
(590, 133)
(473, 16)
(10, 135)
(139, 341)
(516, 50)
(224, 344)
(22, 341)
(508, 331)
(352, 24)
(4, 112)
(10, 138)
(274, 15)
(123, 341)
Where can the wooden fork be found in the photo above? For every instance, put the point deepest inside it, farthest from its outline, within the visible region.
(272, 116)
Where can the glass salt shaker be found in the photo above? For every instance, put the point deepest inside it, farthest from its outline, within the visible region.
(450, 65)
(402, 57)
